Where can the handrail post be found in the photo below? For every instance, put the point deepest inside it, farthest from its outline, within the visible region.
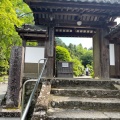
(33, 92)
(38, 66)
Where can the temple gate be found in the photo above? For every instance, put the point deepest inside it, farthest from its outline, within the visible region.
(78, 18)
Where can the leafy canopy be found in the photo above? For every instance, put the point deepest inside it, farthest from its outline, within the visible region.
(12, 13)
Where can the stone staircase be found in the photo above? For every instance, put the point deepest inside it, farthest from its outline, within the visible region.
(84, 100)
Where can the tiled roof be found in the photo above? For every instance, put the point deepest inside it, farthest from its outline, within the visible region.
(114, 32)
(90, 1)
(28, 27)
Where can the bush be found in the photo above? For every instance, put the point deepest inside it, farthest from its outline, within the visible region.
(78, 68)
(62, 54)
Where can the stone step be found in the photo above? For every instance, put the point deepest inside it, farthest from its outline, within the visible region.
(105, 104)
(10, 113)
(79, 82)
(9, 118)
(71, 114)
(86, 92)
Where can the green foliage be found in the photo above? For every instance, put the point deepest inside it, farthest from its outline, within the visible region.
(32, 43)
(59, 42)
(80, 50)
(72, 50)
(8, 19)
(78, 68)
(3, 65)
(23, 11)
(87, 57)
(3, 78)
(81, 57)
(12, 13)
(62, 54)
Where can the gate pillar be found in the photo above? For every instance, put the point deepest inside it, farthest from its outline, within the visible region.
(101, 54)
(49, 47)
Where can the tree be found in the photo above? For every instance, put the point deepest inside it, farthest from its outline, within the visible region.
(87, 57)
(8, 19)
(62, 54)
(80, 51)
(71, 49)
(23, 11)
(59, 42)
(12, 13)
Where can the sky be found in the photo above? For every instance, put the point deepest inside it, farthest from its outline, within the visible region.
(86, 42)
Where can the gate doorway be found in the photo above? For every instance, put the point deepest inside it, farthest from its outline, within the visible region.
(79, 51)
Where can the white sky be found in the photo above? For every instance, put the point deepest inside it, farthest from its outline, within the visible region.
(86, 42)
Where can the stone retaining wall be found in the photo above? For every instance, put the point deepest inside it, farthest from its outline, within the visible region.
(28, 90)
(42, 103)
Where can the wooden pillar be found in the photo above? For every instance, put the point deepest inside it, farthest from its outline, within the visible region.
(41, 43)
(117, 60)
(104, 50)
(101, 54)
(50, 53)
(96, 55)
(24, 43)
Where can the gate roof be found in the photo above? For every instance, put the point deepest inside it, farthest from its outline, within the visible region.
(89, 1)
(64, 15)
(114, 35)
(32, 32)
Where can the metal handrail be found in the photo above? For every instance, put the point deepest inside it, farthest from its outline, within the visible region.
(23, 93)
(38, 66)
(33, 92)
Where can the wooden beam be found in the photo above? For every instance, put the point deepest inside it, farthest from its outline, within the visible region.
(72, 34)
(33, 35)
(31, 31)
(68, 23)
(34, 39)
(73, 13)
(75, 5)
